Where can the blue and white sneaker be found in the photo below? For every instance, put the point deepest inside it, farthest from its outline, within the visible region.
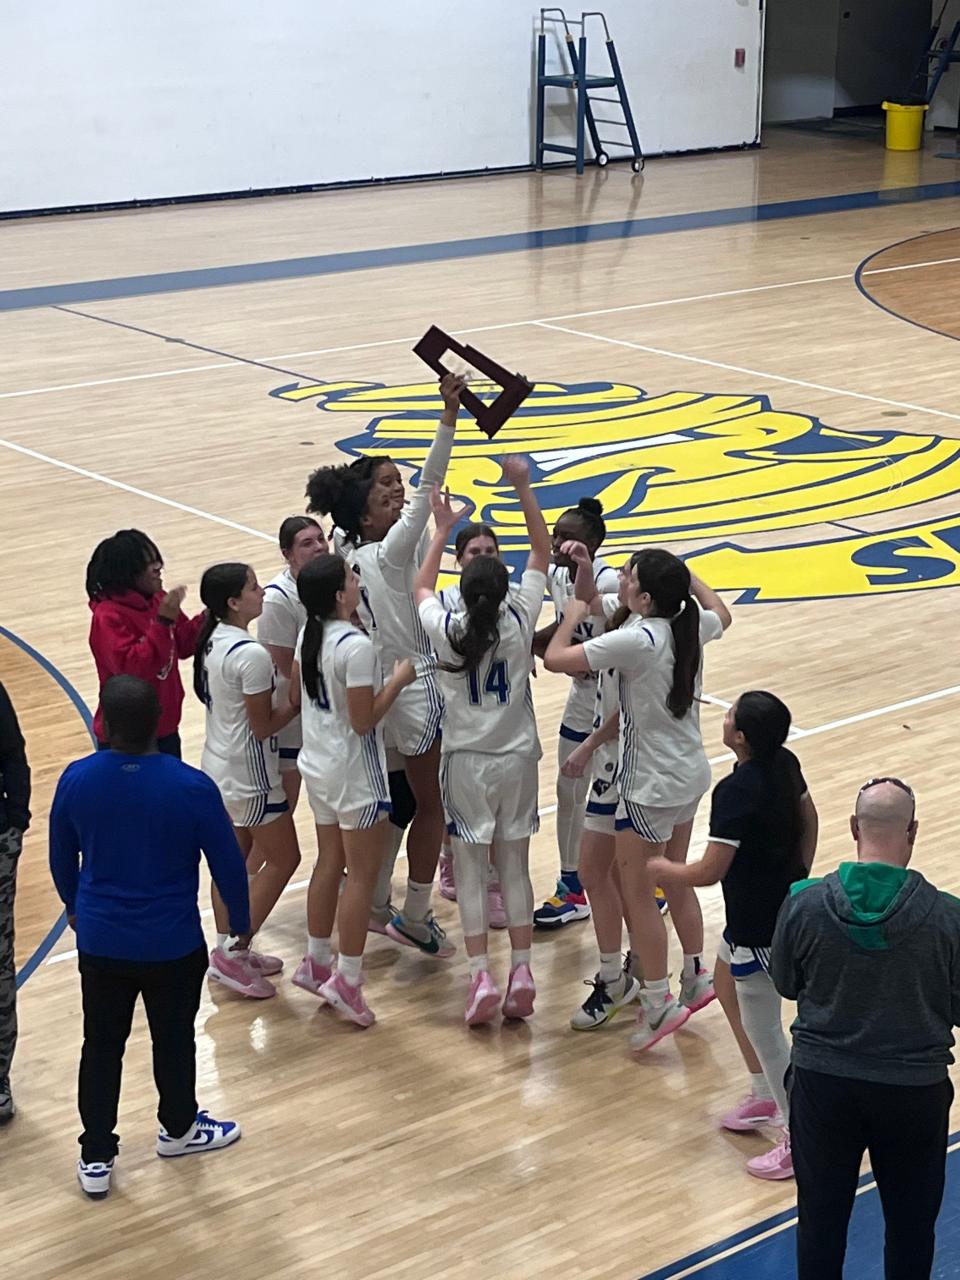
(569, 903)
(206, 1135)
(94, 1177)
(426, 935)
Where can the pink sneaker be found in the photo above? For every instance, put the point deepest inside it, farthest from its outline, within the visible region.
(266, 966)
(654, 1022)
(521, 993)
(233, 970)
(483, 1000)
(496, 912)
(448, 886)
(776, 1165)
(311, 975)
(750, 1113)
(348, 1000)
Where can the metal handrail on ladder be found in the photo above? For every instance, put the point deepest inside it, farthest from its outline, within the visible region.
(580, 81)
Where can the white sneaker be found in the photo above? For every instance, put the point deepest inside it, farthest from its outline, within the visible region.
(654, 1022)
(94, 1178)
(604, 1000)
(697, 991)
(206, 1135)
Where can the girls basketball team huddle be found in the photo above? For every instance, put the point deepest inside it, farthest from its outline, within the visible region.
(402, 710)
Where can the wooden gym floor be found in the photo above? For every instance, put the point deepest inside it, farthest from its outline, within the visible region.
(722, 382)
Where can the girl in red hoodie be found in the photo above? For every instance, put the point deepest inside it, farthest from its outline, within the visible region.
(137, 629)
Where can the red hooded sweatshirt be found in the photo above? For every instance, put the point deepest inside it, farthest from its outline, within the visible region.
(127, 639)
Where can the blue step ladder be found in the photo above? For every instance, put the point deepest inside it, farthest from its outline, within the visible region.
(584, 86)
(939, 54)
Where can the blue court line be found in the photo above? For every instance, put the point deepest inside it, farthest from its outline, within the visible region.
(475, 247)
(897, 315)
(756, 1259)
(57, 928)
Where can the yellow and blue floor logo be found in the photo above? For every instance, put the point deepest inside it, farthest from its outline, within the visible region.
(764, 501)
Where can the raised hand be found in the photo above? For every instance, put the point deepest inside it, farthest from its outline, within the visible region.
(451, 384)
(579, 554)
(171, 603)
(445, 513)
(516, 469)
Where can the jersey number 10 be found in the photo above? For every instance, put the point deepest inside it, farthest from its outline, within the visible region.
(496, 685)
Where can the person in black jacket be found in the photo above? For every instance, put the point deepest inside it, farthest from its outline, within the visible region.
(14, 820)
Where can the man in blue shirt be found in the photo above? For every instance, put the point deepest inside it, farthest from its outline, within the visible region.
(127, 829)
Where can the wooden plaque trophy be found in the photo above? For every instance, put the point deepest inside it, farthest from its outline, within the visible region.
(434, 345)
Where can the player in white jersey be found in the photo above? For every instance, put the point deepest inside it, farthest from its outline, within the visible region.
(384, 475)
(597, 758)
(657, 652)
(490, 745)
(384, 544)
(385, 479)
(301, 540)
(338, 686)
(473, 539)
(583, 524)
(233, 676)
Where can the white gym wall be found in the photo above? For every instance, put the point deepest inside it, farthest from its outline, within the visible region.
(110, 101)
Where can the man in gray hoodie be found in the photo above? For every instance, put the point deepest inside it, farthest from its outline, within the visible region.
(871, 954)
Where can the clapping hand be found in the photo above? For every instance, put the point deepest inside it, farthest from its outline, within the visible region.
(171, 603)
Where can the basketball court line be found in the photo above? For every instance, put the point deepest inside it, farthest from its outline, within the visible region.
(129, 488)
(546, 810)
(191, 279)
(704, 1260)
(233, 361)
(751, 373)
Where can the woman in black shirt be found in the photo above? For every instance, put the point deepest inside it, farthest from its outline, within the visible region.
(763, 836)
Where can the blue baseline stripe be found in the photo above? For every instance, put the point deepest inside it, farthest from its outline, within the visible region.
(56, 929)
(739, 1265)
(473, 247)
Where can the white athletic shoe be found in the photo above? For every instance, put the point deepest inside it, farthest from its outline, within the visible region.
(205, 1135)
(94, 1177)
(604, 1000)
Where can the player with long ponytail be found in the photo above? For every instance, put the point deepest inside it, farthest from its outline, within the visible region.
(233, 676)
(491, 749)
(663, 766)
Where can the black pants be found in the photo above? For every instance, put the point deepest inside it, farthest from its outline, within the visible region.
(833, 1120)
(168, 745)
(171, 997)
(10, 844)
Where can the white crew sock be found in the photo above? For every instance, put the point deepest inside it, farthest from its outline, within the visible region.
(320, 950)
(416, 905)
(759, 1087)
(350, 967)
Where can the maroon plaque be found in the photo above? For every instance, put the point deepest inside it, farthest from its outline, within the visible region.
(434, 345)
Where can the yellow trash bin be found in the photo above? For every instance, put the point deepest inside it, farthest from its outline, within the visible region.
(904, 126)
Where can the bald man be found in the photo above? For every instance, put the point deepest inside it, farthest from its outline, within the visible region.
(871, 954)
